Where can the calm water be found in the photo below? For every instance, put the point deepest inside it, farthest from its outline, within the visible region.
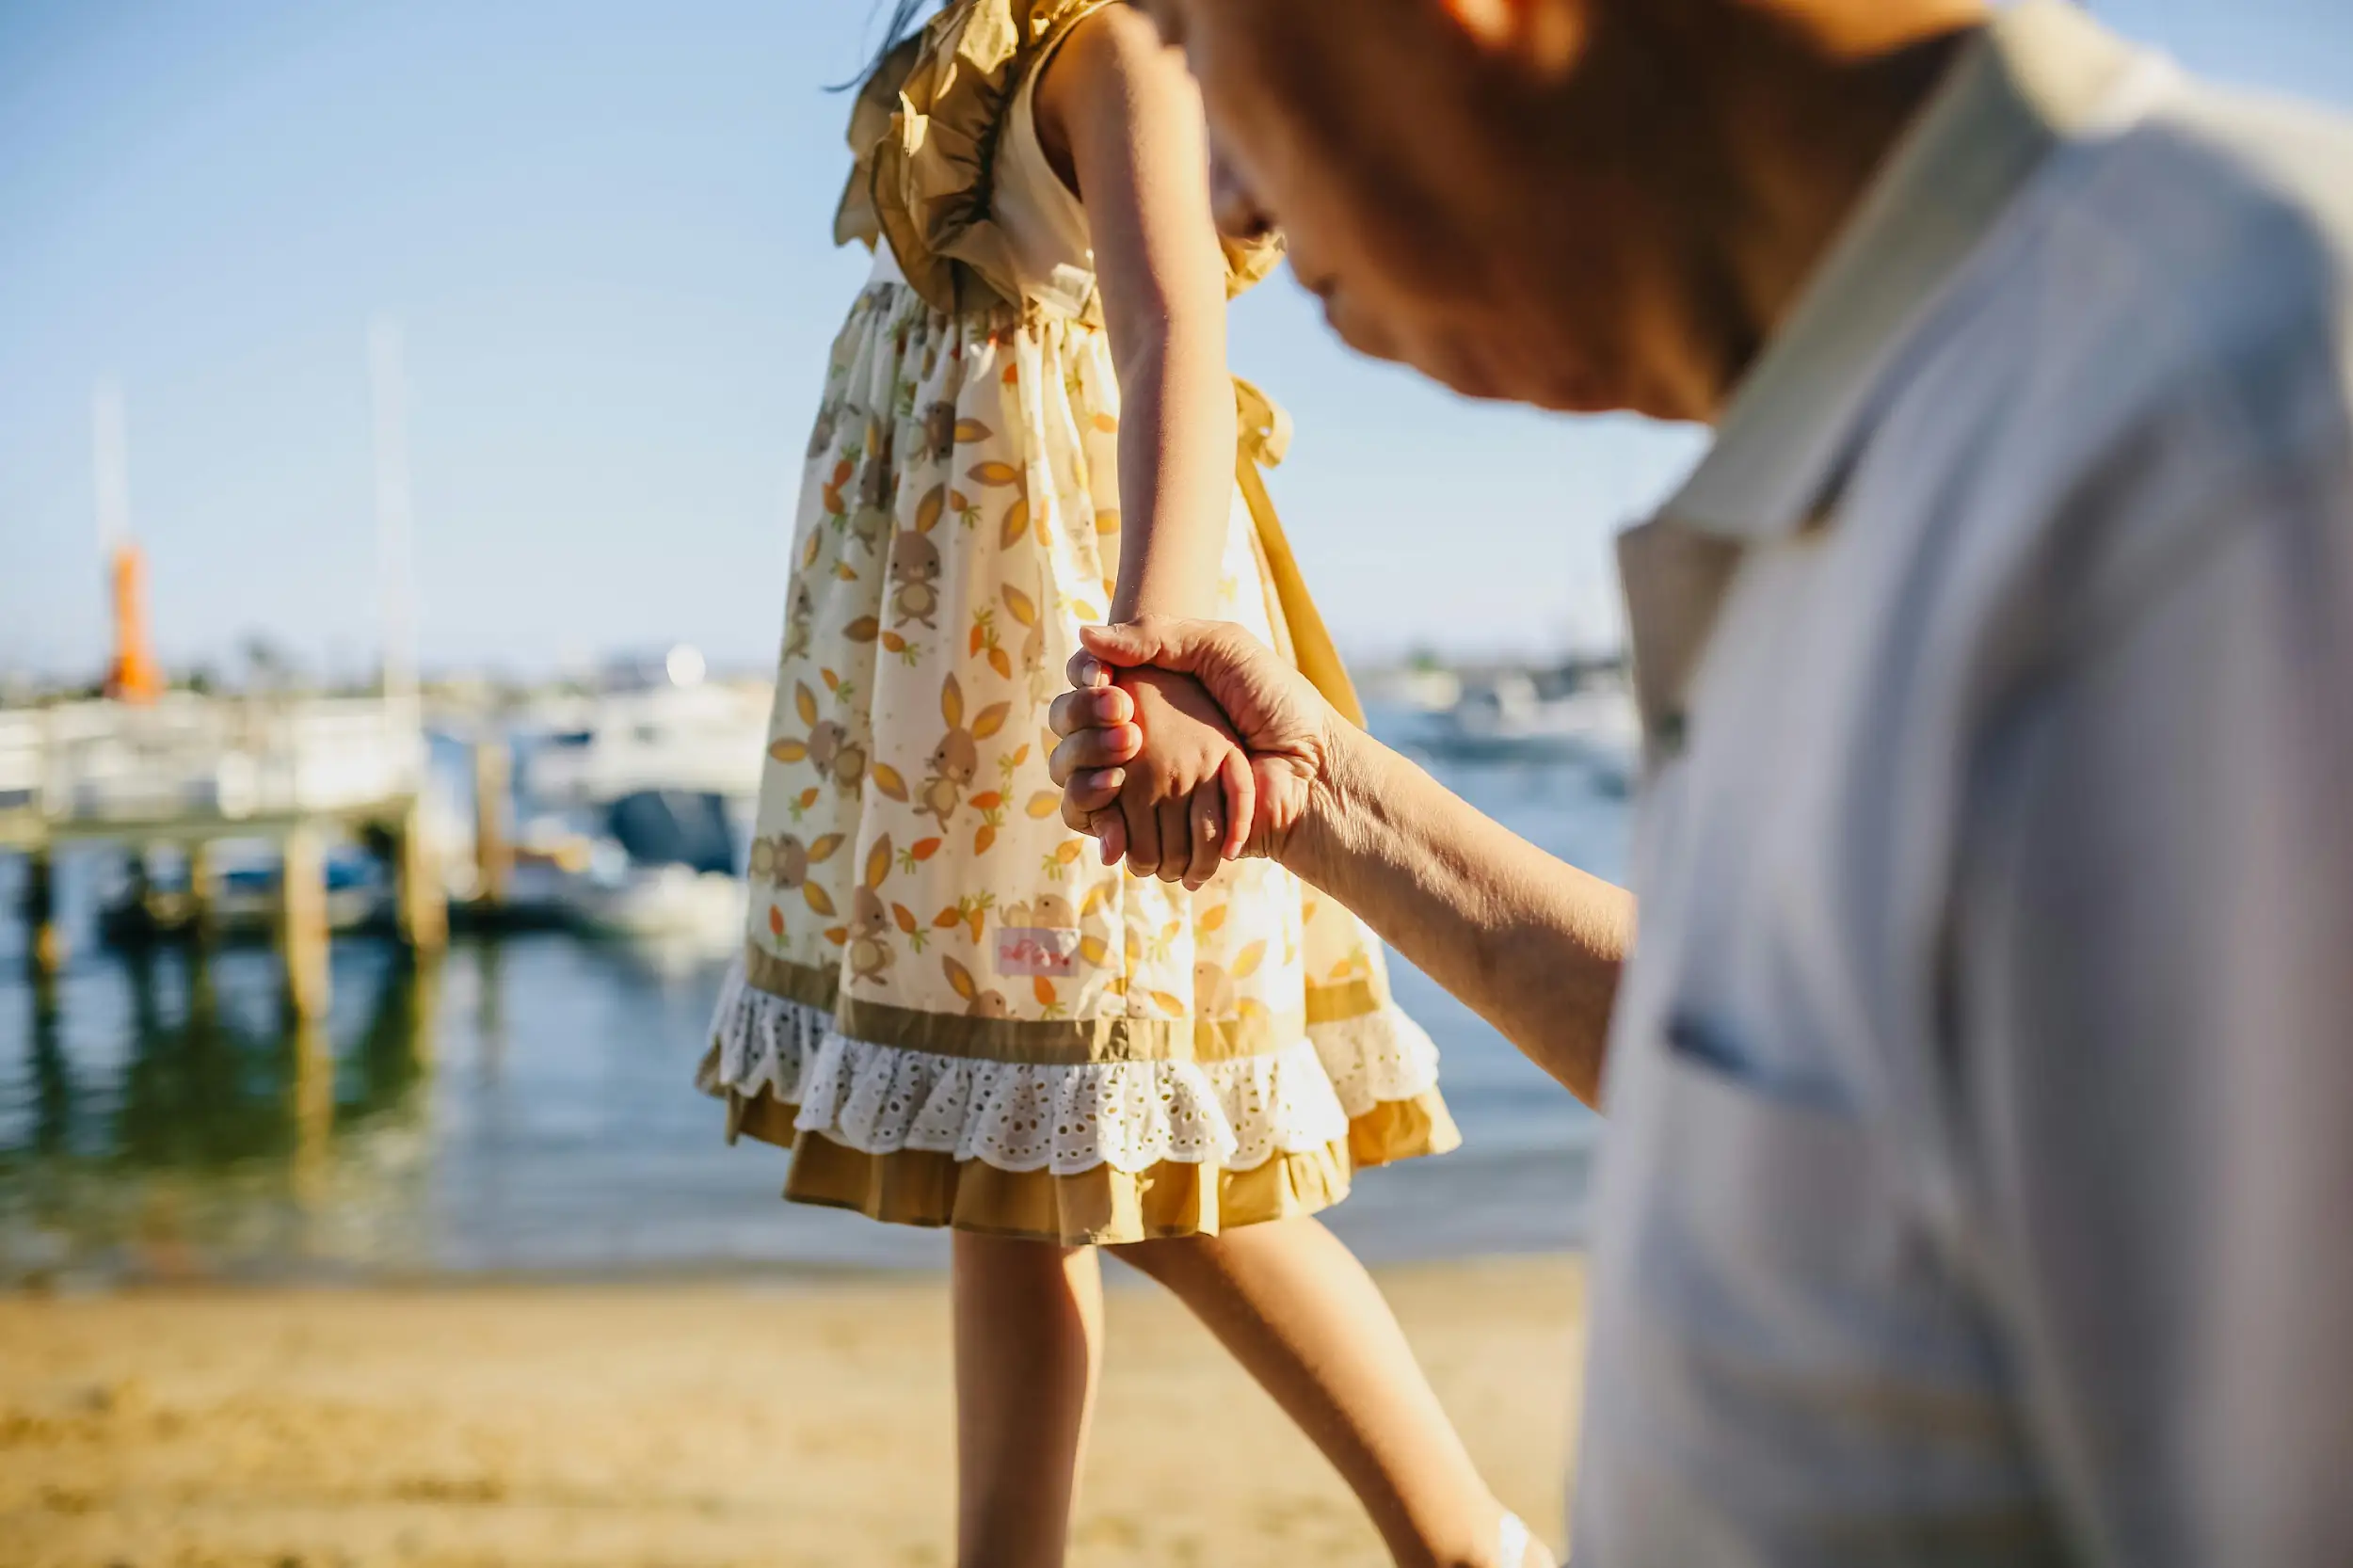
(524, 1105)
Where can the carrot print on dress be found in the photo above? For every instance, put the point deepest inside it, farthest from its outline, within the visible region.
(830, 491)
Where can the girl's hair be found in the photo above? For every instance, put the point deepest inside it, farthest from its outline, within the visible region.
(904, 16)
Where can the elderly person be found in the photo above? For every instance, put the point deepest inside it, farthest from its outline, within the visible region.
(1981, 1085)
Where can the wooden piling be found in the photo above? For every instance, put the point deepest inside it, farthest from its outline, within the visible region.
(302, 922)
(139, 886)
(494, 857)
(311, 1106)
(425, 1008)
(46, 946)
(200, 911)
(422, 903)
(50, 1082)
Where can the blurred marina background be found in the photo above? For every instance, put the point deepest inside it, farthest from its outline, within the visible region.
(400, 407)
(174, 1110)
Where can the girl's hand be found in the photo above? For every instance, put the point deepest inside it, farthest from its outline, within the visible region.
(1290, 737)
(1173, 805)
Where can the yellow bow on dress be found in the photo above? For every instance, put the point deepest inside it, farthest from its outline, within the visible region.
(1265, 434)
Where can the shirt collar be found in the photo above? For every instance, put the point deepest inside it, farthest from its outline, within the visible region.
(2039, 73)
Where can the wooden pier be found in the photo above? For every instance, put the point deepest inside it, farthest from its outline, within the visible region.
(188, 772)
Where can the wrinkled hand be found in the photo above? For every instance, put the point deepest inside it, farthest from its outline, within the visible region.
(1285, 727)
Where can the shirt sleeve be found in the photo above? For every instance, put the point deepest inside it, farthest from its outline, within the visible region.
(2152, 1008)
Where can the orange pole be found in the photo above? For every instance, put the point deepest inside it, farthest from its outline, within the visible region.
(133, 676)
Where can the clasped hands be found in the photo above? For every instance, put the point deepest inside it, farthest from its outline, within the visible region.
(1186, 744)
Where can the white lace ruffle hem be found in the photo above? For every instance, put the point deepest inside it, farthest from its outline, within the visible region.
(1068, 1118)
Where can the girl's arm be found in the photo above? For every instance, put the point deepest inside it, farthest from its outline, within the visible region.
(1119, 115)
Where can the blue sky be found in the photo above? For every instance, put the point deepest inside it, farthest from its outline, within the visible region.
(602, 230)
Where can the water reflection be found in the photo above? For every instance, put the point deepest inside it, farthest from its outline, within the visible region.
(52, 1083)
(225, 1133)
(489, 1010)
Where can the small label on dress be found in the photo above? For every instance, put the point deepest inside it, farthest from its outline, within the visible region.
(1035, 949)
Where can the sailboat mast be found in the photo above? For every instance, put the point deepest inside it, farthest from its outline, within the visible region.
(110, 468)
(388, 388)
(132, 673)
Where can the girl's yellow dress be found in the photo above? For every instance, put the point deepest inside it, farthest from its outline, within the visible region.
(946, 1008)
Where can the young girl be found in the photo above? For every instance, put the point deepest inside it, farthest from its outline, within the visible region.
(948, 1012)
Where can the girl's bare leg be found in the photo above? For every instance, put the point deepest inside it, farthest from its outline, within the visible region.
(1028, 1338)
(1305, 1318)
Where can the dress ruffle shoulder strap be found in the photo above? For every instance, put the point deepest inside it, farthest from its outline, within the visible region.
(924, 133)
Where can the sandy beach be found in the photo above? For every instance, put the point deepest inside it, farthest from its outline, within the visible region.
(699, 1423)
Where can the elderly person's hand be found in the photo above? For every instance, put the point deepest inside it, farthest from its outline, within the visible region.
(1533, 944)
(1283, 724)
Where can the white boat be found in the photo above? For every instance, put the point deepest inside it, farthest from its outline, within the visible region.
(706, 738)
(1507, 718)
(665, 868)
(641, 802)
(672, 903)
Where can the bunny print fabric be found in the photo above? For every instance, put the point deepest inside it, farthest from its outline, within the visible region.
(948, 1009)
